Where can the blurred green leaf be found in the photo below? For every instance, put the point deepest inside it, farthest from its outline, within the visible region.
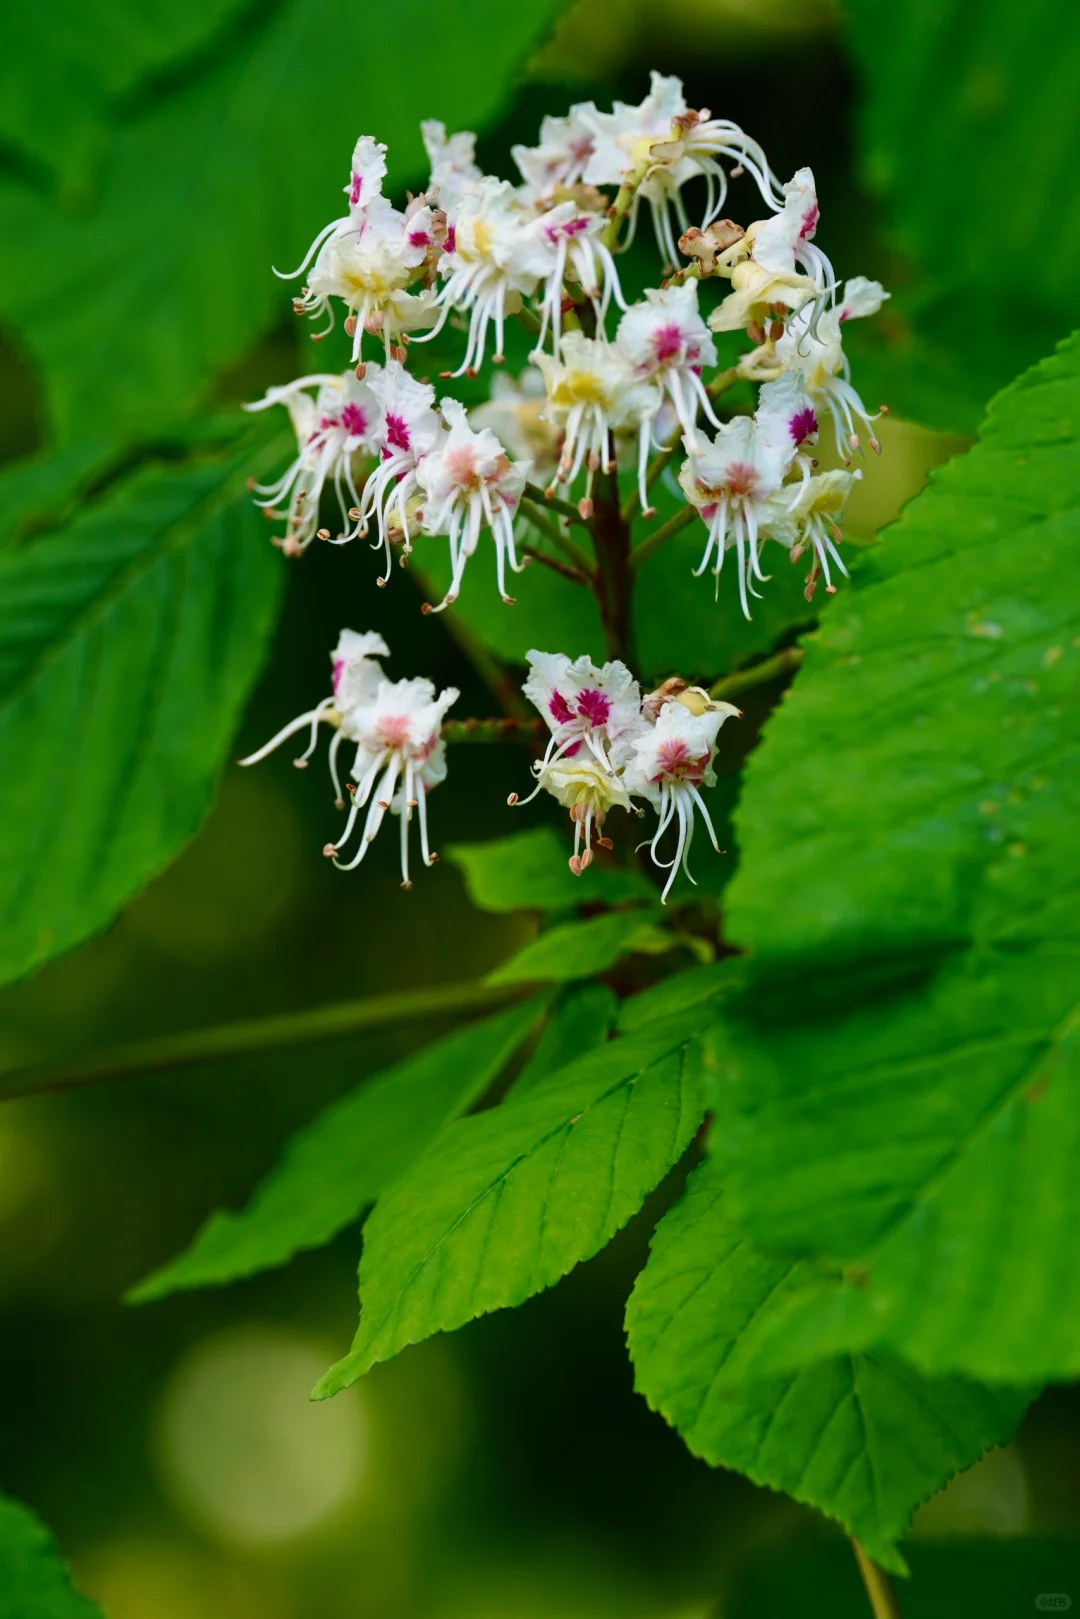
(505, 1203)
(581, 1019)
(346, 1157)
(64, 69)
(914, 806)
(863, 1438)
(128, 644)
(34, 1584)
(581, 949)
(132, 309)
(682, 992)
(528, 871)
(993, 165)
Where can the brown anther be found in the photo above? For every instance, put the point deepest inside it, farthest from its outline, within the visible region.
(381, 582)
(433, 858)
(406, 885)
(250, 484)
(585, 508)
(383, 803)
(472, 372)
(594, 461)
(512, 800)
(776, 329)
(586, 859)
(360, 371)
(498, 359)
(426, 607)
(339, 803)
(413, 803)
(329, 851)
(398, 353)
(883, 410)
(755, 331)
(575, 864)
(605, 843)
(875, 446)
(299, 764)
(445, 374)
(511, 601)
(350, 325)
(323, 533)
(853, 440)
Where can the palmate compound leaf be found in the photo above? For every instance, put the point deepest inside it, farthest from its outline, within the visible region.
(347, 1156)
(34, 1584)
(505, 1203)
(864, 1437)
(128, 644)
(946, 345)
(911, 817)
(132, 307)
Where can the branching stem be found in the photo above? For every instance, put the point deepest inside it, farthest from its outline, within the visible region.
(254, 1034)
(758, 674)
(878, 1586)
(660, 536)
(544, 524)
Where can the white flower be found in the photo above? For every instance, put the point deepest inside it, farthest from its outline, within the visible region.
(338, 423)
(764, 264)
(812, 345)
(589, 792)
(454, 173)
(672, 143)
(470, 483)
(731, 480)
(489, 253)
(808, 515)
(367, 173)
(666, 341)
(400, 757)
(406, 429)
(593, 392)
(370, 266)
(575, 252)
(583, 705)
(515, 413)
(560, 160)
(356, 677)
(671, 760)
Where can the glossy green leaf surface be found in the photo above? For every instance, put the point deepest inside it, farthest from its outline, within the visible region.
(34, 1584)
(344, 1159)
(581, 949)
(128, 644)
(505, 1203)
(864, 1437)
(905, 1075)
(580, 1020)
(528, 871)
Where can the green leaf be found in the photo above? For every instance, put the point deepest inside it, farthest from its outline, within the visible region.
(64, 70)
(34, 1584)
(864, 1438)
(944, 177)
(505, 1203)
(132, 308)
(581, 949)
(347, 1156)
(582, 1019)
(528, 871)
(680, 993)
(128, 644)
(914, 807)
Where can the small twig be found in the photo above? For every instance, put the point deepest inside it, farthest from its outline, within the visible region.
(254, 1034)
(541, 498)
(667, 531)
(544, 524)
(878, 1586)
(758, 674)
(575, 575)
(497, 730)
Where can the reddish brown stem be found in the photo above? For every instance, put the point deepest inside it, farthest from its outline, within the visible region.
(614, 575)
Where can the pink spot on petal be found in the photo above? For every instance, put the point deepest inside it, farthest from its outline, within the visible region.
(594, 707)
(667, 342)
(357, 187)
(450, 244)
(353, 420)
(803, 425)
(419, 238)
(339, 670)
(397, 432)
(809, 224)
(560, 709)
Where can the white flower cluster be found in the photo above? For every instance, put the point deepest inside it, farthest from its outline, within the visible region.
(604, 392)
(610, 746)
(400, 754)
(483, 250)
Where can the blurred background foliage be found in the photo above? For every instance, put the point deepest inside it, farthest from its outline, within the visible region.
(156, 162)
